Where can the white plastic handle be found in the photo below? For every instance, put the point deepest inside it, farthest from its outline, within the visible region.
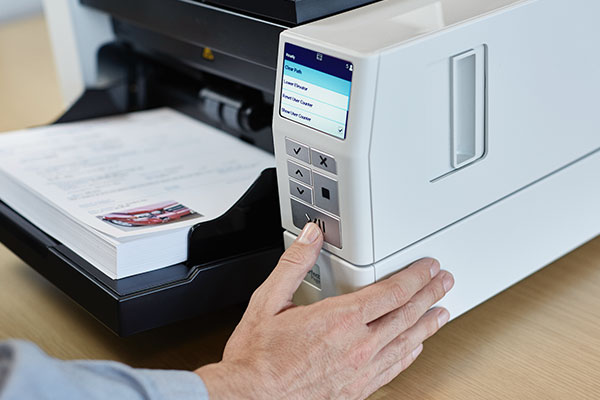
(468, 106)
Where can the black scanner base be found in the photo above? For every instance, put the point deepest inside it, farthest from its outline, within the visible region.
(209, 281)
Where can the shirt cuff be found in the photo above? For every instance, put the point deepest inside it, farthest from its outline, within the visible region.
(173, 384)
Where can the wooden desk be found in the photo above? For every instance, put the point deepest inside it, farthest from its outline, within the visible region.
(539, 339)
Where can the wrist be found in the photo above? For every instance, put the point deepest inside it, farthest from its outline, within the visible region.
(225, 381)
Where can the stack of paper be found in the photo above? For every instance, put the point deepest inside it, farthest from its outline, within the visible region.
(122, 192)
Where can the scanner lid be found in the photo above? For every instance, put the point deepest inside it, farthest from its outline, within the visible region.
(388, 23)
(289, 12)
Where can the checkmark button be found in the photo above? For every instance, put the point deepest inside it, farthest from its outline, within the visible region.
(297, 150)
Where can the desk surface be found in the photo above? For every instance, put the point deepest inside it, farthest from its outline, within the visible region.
(538, 339)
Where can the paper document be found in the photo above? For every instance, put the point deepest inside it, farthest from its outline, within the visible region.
(134, 174)
(122, 192)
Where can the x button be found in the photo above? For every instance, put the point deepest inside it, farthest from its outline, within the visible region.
(323, 161)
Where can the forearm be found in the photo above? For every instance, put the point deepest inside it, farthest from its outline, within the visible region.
(27, 372)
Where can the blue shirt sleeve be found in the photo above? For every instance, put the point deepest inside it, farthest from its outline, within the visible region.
(28, 373)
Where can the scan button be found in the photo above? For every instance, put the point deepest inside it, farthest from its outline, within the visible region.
(330, 226)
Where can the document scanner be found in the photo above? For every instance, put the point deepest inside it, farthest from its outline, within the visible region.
(464, 130)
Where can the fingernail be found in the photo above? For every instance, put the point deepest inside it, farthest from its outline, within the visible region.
(448, 282)
(434, 269)
(417, 351)
(309, 234)
(443, 317)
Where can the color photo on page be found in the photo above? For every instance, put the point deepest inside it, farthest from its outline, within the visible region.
(151, 215)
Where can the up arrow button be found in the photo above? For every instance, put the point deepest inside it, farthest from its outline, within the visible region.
(299, 172)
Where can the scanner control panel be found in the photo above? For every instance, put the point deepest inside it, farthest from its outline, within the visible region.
(314, 189)
(315, 90)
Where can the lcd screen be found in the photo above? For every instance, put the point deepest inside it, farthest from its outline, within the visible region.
(316, 90)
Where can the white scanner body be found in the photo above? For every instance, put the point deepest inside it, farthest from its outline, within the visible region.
(464, 130)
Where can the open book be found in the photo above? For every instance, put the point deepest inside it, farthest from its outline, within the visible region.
(123, 192)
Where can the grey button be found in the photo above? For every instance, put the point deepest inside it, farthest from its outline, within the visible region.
(299, 172)
(326, 193)
(330, 226)
(297, 150)
(301, 191)
(323, 161)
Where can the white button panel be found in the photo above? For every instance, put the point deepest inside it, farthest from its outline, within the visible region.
(317, 194)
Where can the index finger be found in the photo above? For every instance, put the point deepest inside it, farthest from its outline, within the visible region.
(383, 297)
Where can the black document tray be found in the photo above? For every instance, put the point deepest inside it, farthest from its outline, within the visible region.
(228, 258)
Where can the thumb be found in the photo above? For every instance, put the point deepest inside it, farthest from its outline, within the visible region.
(293, 266)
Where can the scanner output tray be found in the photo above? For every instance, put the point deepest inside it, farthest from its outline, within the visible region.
(226, 264)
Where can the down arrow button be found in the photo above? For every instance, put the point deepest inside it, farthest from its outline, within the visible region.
(301, 191)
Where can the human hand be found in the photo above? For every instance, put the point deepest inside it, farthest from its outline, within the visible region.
(342, 347)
